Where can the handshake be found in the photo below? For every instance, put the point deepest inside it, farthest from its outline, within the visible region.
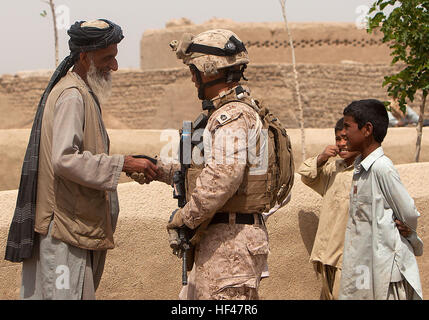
(141, 168)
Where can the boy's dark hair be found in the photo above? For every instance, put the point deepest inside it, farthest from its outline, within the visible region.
(370, 110)
(339, 125)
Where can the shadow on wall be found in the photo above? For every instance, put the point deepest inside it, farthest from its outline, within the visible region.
(308, 222)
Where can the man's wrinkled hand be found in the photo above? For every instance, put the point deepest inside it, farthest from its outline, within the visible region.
(139, 169)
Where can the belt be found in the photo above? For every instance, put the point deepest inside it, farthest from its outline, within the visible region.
(240, 218)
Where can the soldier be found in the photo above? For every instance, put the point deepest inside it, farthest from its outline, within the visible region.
(243, 174)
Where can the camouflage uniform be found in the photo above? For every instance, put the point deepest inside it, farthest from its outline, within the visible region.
(247, 170)
(229, 258)
(230, 255)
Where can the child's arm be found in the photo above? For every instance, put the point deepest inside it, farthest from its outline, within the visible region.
(313, 176)
(402, 205)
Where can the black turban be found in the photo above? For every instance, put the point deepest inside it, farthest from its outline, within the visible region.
(91, 38)
(21, 232)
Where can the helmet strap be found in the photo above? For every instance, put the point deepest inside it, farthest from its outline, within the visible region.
(204, 86)
(231, 76)
(236, 75)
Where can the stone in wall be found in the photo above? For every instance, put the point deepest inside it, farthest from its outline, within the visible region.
(267, 42)
(162, 99)
(19, 97)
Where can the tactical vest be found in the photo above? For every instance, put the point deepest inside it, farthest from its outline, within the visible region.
(258, 192)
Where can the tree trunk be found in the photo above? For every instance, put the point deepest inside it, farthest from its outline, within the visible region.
(420, 127)
(297, 89)
(54, 18)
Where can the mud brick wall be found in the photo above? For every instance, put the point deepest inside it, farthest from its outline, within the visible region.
(268, 42)
(160, 99)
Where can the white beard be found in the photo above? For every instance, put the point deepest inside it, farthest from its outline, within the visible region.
(101, 86)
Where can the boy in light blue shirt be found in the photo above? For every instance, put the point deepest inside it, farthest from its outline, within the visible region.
(378, 262)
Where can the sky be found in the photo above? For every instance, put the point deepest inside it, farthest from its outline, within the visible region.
(27, 38)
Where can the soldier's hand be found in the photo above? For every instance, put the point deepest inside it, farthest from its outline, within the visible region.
(403, 229)
(138, 177)
(174, 241)
(330, 151)
(140, 165)
(176, 220)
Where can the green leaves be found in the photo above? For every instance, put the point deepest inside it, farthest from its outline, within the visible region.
(376, 20)
(406, 30)
(43, 13)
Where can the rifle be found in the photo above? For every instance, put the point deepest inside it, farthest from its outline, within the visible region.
(191, 135)
(183, 246)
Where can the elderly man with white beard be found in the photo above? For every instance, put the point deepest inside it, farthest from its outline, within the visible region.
(67, 206)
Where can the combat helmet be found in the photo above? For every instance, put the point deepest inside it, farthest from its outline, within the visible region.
(211, 51)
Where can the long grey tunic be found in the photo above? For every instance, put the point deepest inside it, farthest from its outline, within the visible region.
(375, 253)
(58, 270)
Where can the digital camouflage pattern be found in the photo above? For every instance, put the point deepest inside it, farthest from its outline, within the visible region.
(228, 255)
(208, 64)
(226, 166)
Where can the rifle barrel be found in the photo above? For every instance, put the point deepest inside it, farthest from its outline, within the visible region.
(184, 268)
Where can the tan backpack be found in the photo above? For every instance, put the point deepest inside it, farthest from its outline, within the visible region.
(283, 151)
